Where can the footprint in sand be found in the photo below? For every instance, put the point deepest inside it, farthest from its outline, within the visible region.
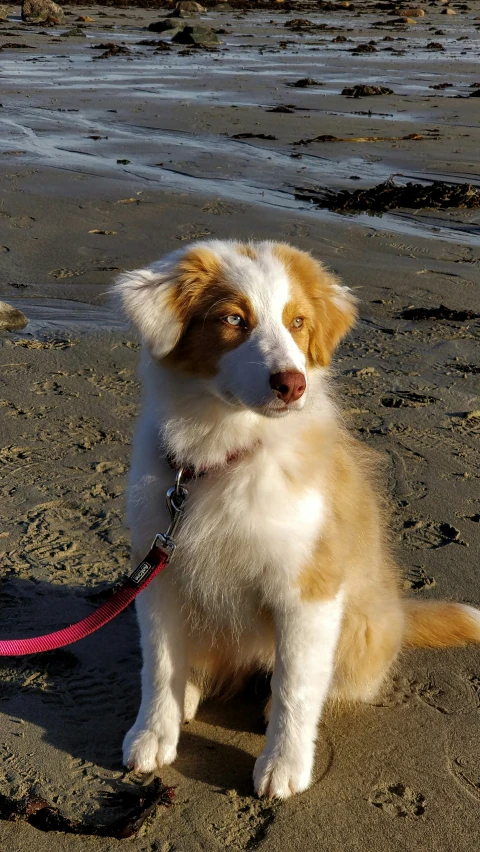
(428, 534)
(220, 208)
(398, 800)
(417, 579)
(407, 399)
(192, 232)
(60, 274)
(249, 824)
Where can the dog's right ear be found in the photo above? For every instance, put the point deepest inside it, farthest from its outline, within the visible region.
(147, 297)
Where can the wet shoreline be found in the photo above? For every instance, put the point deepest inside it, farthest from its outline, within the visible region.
(172, 115)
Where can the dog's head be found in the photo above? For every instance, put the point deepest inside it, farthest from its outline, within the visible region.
(251, 319)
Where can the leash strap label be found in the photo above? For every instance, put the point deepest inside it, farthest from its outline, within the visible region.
(160, 552)
(142, 572)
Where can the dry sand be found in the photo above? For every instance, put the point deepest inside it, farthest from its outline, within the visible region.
(403, 774)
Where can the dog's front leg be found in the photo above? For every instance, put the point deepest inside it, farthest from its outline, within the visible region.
(306, 639)
(152, 741)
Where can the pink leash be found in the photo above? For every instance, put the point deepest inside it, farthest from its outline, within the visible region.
(155, 561)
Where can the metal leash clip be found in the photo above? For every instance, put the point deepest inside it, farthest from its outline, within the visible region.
(175, 497)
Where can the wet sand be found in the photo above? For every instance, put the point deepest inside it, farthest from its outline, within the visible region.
(403, 774)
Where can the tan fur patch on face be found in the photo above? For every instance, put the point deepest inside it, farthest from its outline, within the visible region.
(200, 299)
(300, 306)
(329, 311)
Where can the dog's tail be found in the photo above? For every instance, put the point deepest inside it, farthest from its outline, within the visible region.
(438, 624)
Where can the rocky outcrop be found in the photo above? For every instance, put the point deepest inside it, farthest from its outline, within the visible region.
(11, 318)
(188, 8)
(38, 11)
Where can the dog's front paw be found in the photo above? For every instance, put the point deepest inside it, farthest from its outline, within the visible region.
(278, 777)
(145, 751)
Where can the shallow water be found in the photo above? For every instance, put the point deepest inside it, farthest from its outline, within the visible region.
(64, 316)
(70, 98)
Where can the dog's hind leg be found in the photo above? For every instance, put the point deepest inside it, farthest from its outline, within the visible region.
(368, 647)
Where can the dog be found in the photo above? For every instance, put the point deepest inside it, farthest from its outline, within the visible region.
(282, 563)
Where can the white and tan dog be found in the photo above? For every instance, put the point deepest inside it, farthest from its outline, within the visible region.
(281, 563)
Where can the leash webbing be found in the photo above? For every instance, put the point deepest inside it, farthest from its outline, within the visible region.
(155, 561)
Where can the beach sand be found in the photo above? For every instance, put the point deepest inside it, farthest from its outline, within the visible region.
(404, 773)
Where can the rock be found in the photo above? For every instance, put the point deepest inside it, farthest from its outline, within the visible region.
(37, 11)
(362, 91)
(281, 108)
(75, 32)
(448, 11)
(188, 8)
(173, 24)
(11, 318)
(4, 12)
(196, 35)
(304, 83)
(299, 24)
(222, 7)
(84, 19)
(475, 94)
(406, 20)
(344, 4)
(112, 49)
(364, 48)
(411, 13)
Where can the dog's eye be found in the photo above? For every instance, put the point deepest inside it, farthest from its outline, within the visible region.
(297, 322)
(234, 320)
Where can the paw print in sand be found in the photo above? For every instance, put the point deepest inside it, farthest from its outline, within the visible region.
(398, 800)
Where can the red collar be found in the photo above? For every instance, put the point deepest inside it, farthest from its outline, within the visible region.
(189, 471)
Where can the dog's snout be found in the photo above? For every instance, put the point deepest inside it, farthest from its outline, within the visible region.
(288, 386)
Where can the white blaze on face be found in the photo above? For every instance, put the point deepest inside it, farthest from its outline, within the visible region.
(244, 373)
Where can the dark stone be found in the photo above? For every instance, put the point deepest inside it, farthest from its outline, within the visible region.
(167, 24)
(196, 35)
(363, 91)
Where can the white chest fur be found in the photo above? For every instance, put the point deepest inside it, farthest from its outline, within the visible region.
(247, 529)
(246, 535)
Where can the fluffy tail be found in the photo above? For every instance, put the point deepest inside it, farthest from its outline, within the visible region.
(440, 624)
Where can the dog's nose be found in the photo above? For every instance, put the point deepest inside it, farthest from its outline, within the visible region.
(288, 386)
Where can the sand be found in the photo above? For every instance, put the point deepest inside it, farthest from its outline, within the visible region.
(403, 774)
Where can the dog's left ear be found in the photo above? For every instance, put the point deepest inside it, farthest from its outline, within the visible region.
(147, 297)
(336, 313)
(158, 299)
